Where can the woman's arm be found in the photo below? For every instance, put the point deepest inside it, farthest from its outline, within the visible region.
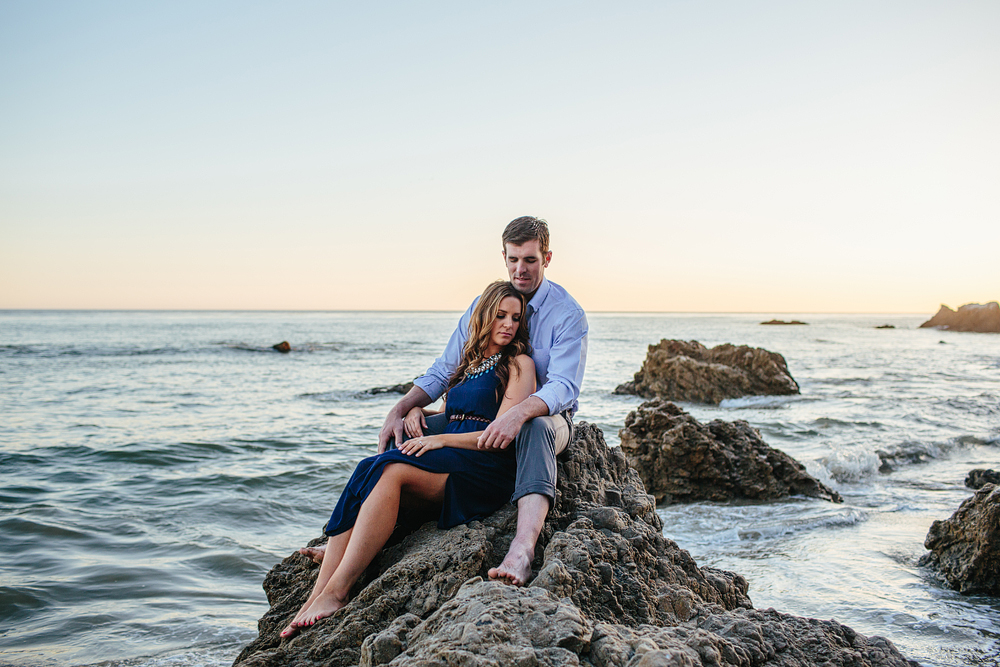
(520, 386)
(414, 423)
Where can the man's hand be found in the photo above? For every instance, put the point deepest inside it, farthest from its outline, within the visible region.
(393, 426)
(391, 429)
(502, 430)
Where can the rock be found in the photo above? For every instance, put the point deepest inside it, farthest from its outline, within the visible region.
(283, 346)
(688, 371)
(886, 326)
(609, 589)
(779, 322)
(682, 460)
(980, 476)
(391, 389)
(965, 548)
(979, 317)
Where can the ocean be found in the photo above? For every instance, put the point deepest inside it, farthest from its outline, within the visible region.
(155, 466)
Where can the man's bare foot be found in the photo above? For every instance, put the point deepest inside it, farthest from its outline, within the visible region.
(324, 605)
(314, 553)
(515, 568)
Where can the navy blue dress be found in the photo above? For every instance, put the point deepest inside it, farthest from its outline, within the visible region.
(479, 482)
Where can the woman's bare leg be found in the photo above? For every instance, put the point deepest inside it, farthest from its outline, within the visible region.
(372, 529)
(336, 546)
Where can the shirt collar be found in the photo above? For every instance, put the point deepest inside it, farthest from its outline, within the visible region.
(540, 294)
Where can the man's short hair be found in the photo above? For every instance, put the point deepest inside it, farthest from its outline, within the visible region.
(527, 228)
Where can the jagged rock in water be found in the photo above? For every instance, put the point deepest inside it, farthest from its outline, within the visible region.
(283, 346)
(391, 389)
(783, 322)
(965, 548)
(979, 317)
(609, 589)
(678, 370)
(980, 476)
(682, 460)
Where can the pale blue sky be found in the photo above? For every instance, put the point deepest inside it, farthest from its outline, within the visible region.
(730, 156)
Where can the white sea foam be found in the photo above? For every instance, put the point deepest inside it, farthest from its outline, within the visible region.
(851, 465)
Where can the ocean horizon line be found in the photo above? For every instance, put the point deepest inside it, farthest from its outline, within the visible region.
(448, 310)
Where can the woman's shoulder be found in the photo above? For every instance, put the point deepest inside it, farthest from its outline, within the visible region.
(523, 363)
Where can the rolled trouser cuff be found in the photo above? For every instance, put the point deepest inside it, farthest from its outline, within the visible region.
(547, 490)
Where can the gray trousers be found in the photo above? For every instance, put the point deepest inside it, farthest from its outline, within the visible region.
(538, 444)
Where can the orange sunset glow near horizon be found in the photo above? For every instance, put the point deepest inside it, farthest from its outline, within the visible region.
(776, 157)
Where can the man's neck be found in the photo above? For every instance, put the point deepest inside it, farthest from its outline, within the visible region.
(529, 297)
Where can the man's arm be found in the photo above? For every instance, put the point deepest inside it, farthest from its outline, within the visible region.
(567, 360)
(502, 430)
(393, 425)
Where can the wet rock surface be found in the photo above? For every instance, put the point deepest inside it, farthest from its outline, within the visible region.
(391, 389)
(680, 370)
(683, 460)
(980, 476)
(978, 317)
(965, 548)
(609, 589)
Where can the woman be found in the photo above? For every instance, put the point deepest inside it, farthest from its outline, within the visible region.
(495, 374)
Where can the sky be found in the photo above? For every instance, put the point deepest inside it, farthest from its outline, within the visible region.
(772, 157)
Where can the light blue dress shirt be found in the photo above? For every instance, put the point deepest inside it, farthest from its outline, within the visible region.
(558, 330)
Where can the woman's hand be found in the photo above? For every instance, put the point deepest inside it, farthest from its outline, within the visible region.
(414, 423)
(421, 444)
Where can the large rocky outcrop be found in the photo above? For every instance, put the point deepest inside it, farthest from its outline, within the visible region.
(980, 317)
(965, 548)
(682, 460)
(609, 589)
(679, 370)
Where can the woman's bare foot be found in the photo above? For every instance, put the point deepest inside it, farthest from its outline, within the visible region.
(515, 568)
(300, 618)
(324, 605)
(314, 553)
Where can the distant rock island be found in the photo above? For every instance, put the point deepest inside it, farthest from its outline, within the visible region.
(401, 388)
(784, 322)
(977, 317)
(678, 370)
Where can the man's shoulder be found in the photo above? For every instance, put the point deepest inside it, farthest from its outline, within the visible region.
(560, 299)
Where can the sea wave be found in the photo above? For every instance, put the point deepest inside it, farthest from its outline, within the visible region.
(852, 465)
(759, 402)
(847, 517)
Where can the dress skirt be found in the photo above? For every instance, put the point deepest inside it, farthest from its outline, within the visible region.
(478, 484)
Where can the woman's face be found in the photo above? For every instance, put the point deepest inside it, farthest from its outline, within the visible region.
(506, 322)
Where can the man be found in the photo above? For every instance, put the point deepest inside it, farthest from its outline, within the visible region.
(541, 425)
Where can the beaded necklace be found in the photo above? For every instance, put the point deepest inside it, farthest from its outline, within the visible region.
(485, 366)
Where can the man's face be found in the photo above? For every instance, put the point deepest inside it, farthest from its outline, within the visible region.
(526, 265)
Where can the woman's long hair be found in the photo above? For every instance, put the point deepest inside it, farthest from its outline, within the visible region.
(480, 328)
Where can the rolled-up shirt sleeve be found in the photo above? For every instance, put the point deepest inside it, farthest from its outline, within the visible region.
(435, 381)
(567, 361)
